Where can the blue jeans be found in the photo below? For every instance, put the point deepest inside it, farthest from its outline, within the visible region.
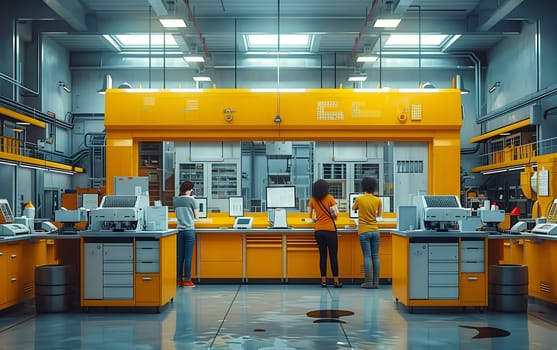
(186, 240)
(369, 241)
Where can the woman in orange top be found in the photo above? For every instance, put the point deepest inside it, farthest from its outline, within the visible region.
(326, 212)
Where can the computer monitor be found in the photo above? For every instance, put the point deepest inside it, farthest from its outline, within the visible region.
(201, 206)
(281, 197)
(351, 199)
(236, 206)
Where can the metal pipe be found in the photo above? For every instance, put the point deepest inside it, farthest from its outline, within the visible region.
(18, 84)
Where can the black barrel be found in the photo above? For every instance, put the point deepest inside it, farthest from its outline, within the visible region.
(508, 288)
(53, 288)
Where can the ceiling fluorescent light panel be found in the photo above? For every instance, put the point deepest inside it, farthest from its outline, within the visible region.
(202, 78)
(173, 23)
(366, 58)
(195, 58)
(391, 23)
(357, 77)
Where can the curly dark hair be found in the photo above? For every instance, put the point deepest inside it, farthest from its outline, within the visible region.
(320, 189)
(369, 184)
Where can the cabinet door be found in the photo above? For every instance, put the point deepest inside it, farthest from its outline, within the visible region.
(14, 261)
(473, 289)
(260, 251)
(540, 256)
(3, 274)
(418, 271)
(92, 270)
(302, 257)
(147, 290)
(221, 255)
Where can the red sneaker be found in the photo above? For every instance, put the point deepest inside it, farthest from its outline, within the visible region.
(188, 284)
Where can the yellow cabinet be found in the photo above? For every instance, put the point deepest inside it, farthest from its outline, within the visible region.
(10, 274)
(264, 256)
(540, 256)
(220, 255)
(302, 256)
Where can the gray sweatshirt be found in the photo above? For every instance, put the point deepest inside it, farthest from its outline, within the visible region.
(184, 207)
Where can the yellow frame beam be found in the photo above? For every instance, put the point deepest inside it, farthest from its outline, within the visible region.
(21, 117)
(433, 116)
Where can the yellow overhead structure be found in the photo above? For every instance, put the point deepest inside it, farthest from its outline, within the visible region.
(504, 129)
(433, 116)
(21, 117)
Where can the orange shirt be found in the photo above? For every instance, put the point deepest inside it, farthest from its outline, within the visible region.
(324, 221)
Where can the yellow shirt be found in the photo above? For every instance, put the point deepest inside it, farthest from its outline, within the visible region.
(368, 206)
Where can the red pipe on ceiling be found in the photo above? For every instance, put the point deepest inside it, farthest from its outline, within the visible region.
(191, 18)
(369, 17)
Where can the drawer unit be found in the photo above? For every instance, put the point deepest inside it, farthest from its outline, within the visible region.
(118, 279)
(443, 267)
(118, 266)
(147, 267)
(472, 256)
(147, 256)
(118, 251)
(443, 252)
(128, 271)
(118, 271)
(108, 271)
(118, 292)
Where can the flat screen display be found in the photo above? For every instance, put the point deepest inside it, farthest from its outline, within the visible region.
(351, 199)
(281, 197)
(201, 206)
(235, 206)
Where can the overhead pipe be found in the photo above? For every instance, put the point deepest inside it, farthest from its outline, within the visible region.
(201, 37)
(369, 17)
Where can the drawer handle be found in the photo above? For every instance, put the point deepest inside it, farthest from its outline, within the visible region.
(14, 279)
(1, 254)
(13, 256)
(472, 278)
(147, 278)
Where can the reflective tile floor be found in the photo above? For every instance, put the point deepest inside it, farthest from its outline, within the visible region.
(280, 317)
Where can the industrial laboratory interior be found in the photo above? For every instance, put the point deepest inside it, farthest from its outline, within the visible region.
(108, 107)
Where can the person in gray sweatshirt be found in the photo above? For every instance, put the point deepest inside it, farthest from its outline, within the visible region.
(186, 211)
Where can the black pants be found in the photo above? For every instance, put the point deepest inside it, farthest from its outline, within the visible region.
(327, 241)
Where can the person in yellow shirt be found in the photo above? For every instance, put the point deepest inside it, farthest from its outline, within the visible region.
(369, 208)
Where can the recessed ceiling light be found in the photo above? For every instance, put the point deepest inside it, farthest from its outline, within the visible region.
(387, 23)
(173, 23)
(367, 58)
(357, 77)
(202, 78)
(194, 59)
